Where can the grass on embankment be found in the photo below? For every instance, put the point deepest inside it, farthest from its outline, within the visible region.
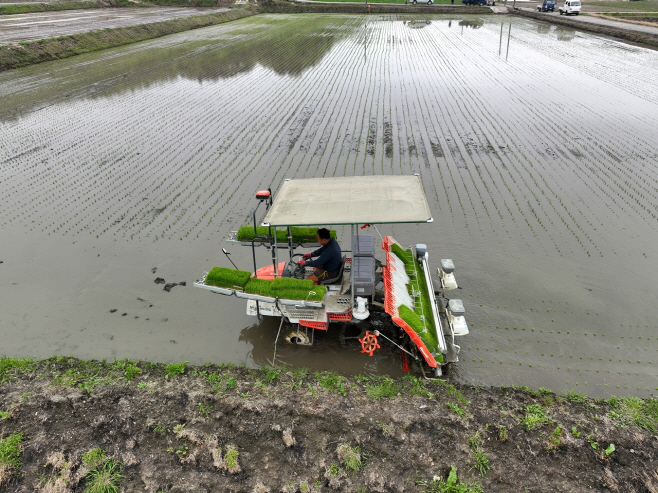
(28, 8)
(28, 53)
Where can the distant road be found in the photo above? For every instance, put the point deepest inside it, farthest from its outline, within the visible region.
(41, 25)
(588, 19)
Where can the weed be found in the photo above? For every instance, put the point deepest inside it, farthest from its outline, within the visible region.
(334, 470)
(502, 433)
(231, 384)
(455, 408)
(535, 417)
(450, 485)
(481, 460)
(10, 456)
(271, 374)
(312, 391)
(4, 414)
(175, 369)
(386, 388)
(574, 396)
(130, 370)
(633, 410)
(417, 387)
(160, 429)
(332, 382)
(457, 395)
(231, 459)
(555, 438)
(350, 457)
(93, 457)
(611, 448)
(8, 366)
(142, 385)
(182, 450)
(385, 428)
(179, 428)
(104, 479)
(205, 409)
(575, 432)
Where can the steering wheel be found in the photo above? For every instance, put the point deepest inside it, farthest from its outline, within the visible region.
(294, 270)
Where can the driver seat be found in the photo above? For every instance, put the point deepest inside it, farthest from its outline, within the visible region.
(339, 278)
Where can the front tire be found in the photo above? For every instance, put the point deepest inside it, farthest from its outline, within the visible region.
(414, 2)
(429, 2)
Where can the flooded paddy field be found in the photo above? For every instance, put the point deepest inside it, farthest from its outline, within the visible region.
(538, 148)
(42, 25)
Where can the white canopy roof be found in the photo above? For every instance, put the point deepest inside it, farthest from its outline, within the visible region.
(349, 200)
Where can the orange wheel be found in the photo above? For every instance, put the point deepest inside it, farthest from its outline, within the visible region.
(369, 343)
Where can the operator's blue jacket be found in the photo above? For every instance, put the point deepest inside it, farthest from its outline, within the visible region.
(329, 258)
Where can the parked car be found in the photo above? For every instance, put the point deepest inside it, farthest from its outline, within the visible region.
(546, 6)
(570, 7)
(428, 2)
(474, 2)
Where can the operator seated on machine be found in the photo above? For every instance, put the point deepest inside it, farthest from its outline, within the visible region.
(327, 265)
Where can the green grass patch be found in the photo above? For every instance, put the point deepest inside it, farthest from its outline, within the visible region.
(10, 456)
(29, 53)
(299, 235)
(535, 417)
(350, 457)
(480, 459)
(332, 382)
(385, 389)
(105, 478)
(175, 369)
(9, 366)
(93, 457)
(224, 277)
(633, 410)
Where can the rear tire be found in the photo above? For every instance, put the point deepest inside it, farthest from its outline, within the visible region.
(429, 2)
(414, 2)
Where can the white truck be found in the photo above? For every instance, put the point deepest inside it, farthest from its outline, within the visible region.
(570, 7)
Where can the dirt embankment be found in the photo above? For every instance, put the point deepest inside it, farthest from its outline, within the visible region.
(25, 8)
(29, 53)
(145, 427)
(633, 36)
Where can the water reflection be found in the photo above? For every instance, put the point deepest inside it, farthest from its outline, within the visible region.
(476, 24)
(418, 24)
(565, 34)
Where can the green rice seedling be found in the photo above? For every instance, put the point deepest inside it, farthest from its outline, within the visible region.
(535, 417)
(299, 235)
(224, 277)
(332, 382)
(10, 456)
(480, 459)
(105, 478)
(418, 326)
(349, 457)
(386, 388)
(450, 485)
(291, 289)
(175, 369)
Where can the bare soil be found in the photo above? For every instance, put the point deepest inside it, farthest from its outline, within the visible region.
(291, 430)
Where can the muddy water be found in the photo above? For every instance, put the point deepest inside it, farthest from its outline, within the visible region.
(537, 146)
